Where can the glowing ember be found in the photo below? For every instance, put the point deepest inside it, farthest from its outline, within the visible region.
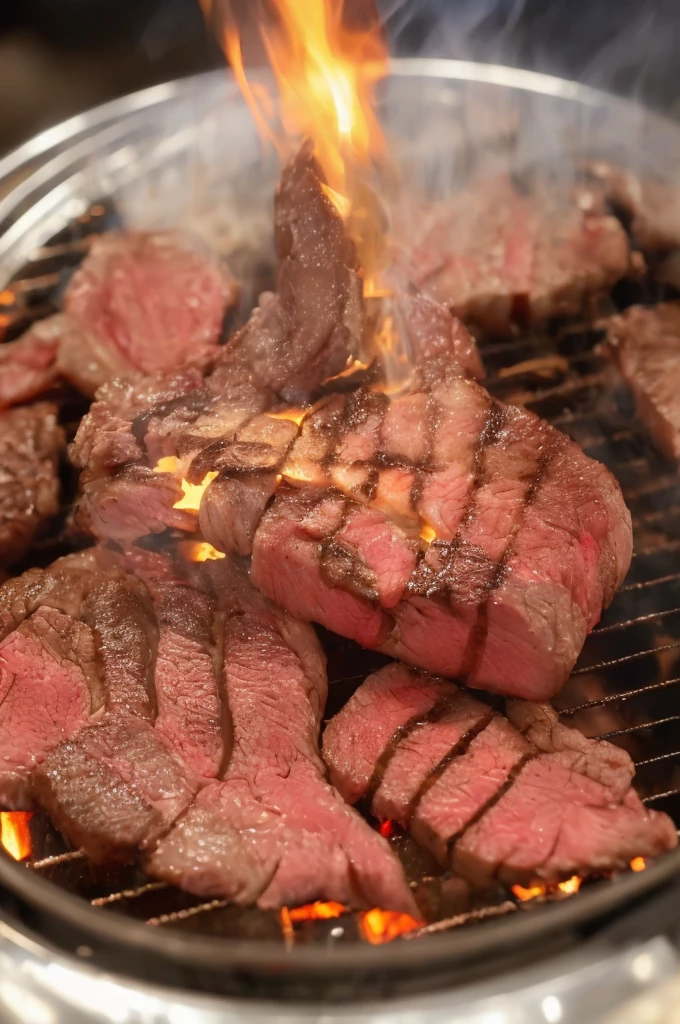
(378, 926)
(200, 551)
(638, 864)
(193, 493)
(387, 828)
(428, 534)
(317, 911)
(566, 888)
(15, 834)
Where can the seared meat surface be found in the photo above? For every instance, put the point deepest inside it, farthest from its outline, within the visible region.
(139, 303)
(31, 445)
(518, 798)
(498, 258)
(645, 342)
(272, 830)
(650, 205)
(465, 537)
(152, 720)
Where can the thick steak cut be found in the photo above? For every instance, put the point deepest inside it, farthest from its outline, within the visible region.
(48, 690)
(119, 783)
(649, 204)
(525, 537)
(521, 798)
(31, 443)
(139, 303)
(497, 257)
(273, 830)
(646, 345)
(28, 366)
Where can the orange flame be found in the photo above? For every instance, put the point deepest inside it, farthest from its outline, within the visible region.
(638, 864)
(294, 415)
(15, 833)
(324, 70)
(192, 494)
(199, 551)
(379, 926)
(428, 533)
(317, 911)
(566, 888)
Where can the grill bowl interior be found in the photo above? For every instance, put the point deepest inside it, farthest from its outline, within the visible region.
(187, 154)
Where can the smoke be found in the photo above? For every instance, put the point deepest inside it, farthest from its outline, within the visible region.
(624, 46)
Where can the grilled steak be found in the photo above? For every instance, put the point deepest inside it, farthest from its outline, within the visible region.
(119, 783)
(296, 339)
(497, 257)
(272, 830)
(139, 303)
(28, 367)
(520, 798)
(526, 538)
(646, 346)
(651, 206)
(31, 443)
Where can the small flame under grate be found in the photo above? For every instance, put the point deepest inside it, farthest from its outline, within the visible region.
(625, 687)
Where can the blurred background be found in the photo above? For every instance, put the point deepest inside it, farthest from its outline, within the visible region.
(58, 57)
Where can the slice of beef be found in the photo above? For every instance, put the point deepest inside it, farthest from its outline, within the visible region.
(522, 798)
(139, 303)
(297, 338)
(481, 546)
(498, 257)
(646, 345)
(119, 783)
(650, 205)
(31, 443)
(28, 366)
(48, 690)
(273, 830)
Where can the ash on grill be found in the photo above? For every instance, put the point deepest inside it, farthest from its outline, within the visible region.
(626, 686)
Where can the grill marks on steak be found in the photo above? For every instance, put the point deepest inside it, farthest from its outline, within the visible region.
(646, 346)
(519, 798)
(31, 444)
(301, 335)
(499, 258)
(138, 304)
(533, 538)
(272, 830)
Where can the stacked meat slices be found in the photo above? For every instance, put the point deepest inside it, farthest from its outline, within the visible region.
(137, 673)
(178, 718)
(514, 798)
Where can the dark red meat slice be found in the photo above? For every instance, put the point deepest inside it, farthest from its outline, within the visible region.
(48, 690)
(519, 798)
(28, 366)
(118, 784)
(273, 830)
(646, 345)
(497, 257)
(31, 444)
(531, 538)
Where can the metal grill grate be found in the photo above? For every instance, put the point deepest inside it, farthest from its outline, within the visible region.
(626, 686)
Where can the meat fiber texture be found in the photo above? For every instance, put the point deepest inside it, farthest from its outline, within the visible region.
(139, 303)
(31, 445)
(467, 538)
(520, 798)
(645, 342)
(463, 536)
(151, 721)
(500, 258)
